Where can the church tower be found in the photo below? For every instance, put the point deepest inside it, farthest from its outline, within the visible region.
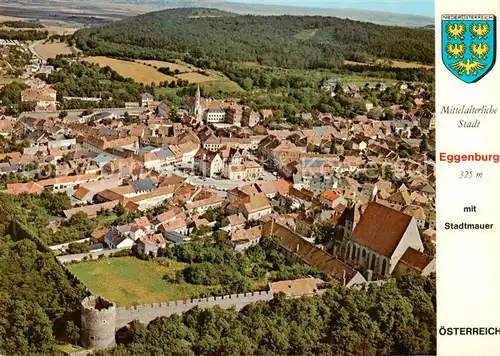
(197, 111)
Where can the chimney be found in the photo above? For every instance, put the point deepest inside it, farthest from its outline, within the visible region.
(369, 275)
(343, 278)
(297, 249)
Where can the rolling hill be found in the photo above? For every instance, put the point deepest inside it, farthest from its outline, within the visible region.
(284, 41)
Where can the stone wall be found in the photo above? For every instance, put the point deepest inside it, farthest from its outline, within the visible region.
(90, 255)
(147, 313)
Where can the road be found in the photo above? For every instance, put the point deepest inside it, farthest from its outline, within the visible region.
(221, 184)
(34, 52)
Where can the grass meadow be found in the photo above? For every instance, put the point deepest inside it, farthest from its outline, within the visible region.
(130, 281)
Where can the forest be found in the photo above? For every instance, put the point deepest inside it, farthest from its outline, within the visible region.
(21, 24)
(396, 318)
(23, 35)
(303, 42)
(82, 79)
(40, 304)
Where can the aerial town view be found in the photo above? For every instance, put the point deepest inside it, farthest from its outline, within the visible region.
(209, 180)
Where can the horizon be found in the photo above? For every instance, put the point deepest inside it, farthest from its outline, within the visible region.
(419, 8)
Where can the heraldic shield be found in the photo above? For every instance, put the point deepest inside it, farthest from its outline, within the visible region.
(468, 45)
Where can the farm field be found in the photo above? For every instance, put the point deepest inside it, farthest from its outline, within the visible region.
(130, 281)
(51, 50)
(194, 77)
(171, 65)
(223, 85)
(214, 81)
(52, 26)
(395, 64)
(139, 72)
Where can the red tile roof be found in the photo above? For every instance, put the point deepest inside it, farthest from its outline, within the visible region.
(20, 188)
(415, 259)
(381, 228)
(329, 266)
(296, 287)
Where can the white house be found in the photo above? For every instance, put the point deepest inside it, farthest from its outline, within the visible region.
(215, 115)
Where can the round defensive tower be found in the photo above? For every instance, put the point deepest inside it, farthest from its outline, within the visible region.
(98, 323)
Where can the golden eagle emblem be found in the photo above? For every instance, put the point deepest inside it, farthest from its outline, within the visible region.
(479, 51)
(455, 31)
(479, 30)
(455, 50)
(468, 67)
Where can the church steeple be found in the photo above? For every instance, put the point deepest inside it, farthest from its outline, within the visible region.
(198, 94)
(197, 103)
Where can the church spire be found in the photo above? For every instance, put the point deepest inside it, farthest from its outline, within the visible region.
(198, 95)
(197, 103)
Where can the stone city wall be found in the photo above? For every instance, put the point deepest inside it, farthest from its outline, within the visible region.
(147, 313)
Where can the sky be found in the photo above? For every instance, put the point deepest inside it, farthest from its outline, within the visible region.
(424, 7)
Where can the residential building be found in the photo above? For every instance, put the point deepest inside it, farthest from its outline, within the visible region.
(202, 205)
(69, 182)
(414, 261)
(418, 213)
(317, 173)
(123, 236)
(149, 244)
(257, 207)
(44, 96)
(146, 99)
(100, 145)
(215, 116)
(235, 115)
(243, 239)
(233, 222)
(208, 164)
(250, 118)
(331, 199)
(428, 123)
(24, 188)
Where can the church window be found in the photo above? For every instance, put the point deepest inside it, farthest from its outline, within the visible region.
(384, 267)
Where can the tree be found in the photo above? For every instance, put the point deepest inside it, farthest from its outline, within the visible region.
(72, 332)
(423, 146)
(56, 203)
(429, 248)
(324, 232)
(86, 112)
(119, 209)
(63, 114)
(247, 83)
(416, 132)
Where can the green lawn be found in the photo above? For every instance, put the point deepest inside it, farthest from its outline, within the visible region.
(68, 348)
(130, 281)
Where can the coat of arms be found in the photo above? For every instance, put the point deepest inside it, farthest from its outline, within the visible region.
(468, 45)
